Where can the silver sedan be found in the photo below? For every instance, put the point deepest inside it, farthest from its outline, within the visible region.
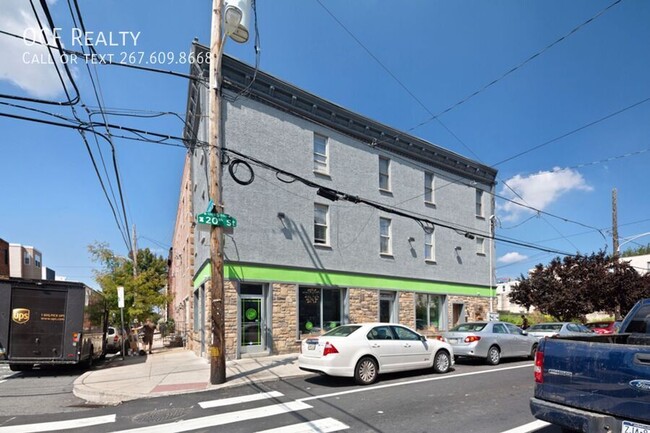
(558, 329)
(490, 340)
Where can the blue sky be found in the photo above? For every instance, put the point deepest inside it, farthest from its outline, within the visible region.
(441, 51)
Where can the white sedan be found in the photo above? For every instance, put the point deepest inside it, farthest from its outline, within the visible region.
(364, 350)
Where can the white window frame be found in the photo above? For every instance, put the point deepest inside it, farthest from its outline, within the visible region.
(385, 175)
(37, 261)
(388, 236)
(319, 166)
(326, 208)
(429, 188)
(27, 258)
(479, 203)
(480, 245)
(430, 247)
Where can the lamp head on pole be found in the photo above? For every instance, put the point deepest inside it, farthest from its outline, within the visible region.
(236, 19)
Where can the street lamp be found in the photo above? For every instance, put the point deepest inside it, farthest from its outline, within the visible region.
(633, 238)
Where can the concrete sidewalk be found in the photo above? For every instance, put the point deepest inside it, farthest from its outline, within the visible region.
(171, 371)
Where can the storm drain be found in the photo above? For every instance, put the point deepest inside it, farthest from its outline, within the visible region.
(160, 415)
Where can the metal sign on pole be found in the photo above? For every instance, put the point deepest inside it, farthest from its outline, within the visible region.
(120, 304)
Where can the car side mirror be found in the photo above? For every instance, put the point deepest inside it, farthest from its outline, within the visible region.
(524, 332)
(423, 338)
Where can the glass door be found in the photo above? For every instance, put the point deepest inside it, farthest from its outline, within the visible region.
(386, 307)
(252, 323)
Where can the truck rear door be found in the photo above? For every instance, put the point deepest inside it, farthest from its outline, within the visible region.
(37, 324)
(607, 378)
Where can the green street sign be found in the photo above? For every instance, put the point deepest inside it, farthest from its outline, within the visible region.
(216, 219)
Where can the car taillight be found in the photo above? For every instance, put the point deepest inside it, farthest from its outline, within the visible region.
(441, 338)
(329, 348)
(472, 338)
(116, 338)
(539, 367)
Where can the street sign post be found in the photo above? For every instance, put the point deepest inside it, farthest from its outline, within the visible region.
(216, 219)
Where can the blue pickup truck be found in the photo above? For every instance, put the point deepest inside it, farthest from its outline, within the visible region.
(597, 383)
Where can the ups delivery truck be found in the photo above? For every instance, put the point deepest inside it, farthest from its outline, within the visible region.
(46, 322)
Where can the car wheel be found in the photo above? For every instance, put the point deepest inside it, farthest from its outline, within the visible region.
(533, 351)
(441, 362)
(365, 373)
(493, 356)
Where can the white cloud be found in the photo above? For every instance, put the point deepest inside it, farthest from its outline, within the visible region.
(510, 258)
(25, 64)
(539, 190)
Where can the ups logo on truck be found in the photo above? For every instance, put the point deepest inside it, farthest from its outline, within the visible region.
(20, 315)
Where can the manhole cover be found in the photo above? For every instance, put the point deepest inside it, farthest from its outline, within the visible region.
(160, 415)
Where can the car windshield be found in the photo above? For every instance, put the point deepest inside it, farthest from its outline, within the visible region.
(545, 327)
(342, 331)
(468, 327)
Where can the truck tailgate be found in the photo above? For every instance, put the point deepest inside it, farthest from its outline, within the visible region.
(601, 377)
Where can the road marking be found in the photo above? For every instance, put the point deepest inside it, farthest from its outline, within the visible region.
(222, 418)
(324, 425)
(237, 400)
(412, 382)
(58, 425)
(2, 381)
(530, 427)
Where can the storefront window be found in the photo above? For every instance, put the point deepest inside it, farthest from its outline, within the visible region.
(428, 312)
(318, 309)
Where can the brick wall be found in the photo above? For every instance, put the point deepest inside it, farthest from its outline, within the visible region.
(476, 307)
(406, 302)
(285, 319)
(364, 305)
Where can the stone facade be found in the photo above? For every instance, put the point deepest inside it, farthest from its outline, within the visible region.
(364, 305)
(285, 319)
(406, 302)
(476, 307)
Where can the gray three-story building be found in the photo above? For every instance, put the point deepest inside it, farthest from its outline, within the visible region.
(298, 262)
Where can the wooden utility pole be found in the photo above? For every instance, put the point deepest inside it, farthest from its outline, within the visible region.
(135, 253)
(217, 346)
(614, 223)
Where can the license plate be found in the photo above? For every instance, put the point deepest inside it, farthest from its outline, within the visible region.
(311, 346)
(453, 340)
(634, 427)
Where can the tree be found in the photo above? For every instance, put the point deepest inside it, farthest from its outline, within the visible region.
(142, 293)
(639, 251)
(575, 286)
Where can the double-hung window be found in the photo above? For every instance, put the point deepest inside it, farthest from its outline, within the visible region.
(26, 258)
(479, 203)
(384, 173)
(321, 224)
(480, 245)
(385, 243)
(429, 247)
(429, 188)
(321, 154)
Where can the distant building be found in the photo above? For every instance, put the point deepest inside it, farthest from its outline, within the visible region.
(504, 287)
(25, 262)
(48, 274)
(640, 263)
(4, 258)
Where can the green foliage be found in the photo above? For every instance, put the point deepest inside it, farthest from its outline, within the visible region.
(570, 288)
(639, 251)
(142, 293)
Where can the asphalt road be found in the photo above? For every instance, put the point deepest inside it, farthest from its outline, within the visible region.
(472, 398)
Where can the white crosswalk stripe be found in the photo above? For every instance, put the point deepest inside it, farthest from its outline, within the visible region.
(325, 425)
(58, 425)
(237, 400)
(222, 419)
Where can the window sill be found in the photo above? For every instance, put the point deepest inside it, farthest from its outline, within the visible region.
(430, 262)
(323, 174)
(430, 204)
(386, 255)
(481, 254)
(323, 246)
(480, 217)
(385, 192)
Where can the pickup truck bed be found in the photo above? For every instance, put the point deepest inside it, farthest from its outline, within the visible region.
(597, 383)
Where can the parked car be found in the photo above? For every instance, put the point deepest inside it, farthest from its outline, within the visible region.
(364, 350)
(113, 340)
(558, 329)
(604, 327)
(490, 340)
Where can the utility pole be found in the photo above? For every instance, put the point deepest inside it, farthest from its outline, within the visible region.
(217, 345)
(614, 223)
(135, 253)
